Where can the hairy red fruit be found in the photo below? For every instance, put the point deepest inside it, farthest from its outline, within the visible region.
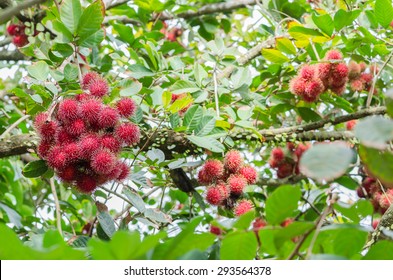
(40, 119)
(371, 186)
(98, 87)
(341, 71)
(129, 133)
(339, 90)
(88, 145)
(236, 184)
(215, 230)
(333, 55)
(110, 143)
(357, 85)
(258, 224)
(124, 171)
(88, 78)
(68, 173)
(366, 78)
(324, 72)
(214, 169)
(313, 89)
(126, 107)
(249, 173)
(360, 192)
(233, 161)
(297, 86)
(224, 189)
(375, 223)
(278, 154)
(354, 70)
(300, 149)
(284, 170)
(72, 151)
(203, 178)
(63, 137)
(291, 146)
(243, 207)
(68, 110)
(82, 97)
(350, 124)
(57, 158)
(213, 196)
(86, 184)
(44, 148)
(20, 40)
(90, 110)
(103, 162)
(308, 72)
(363, 66)
(13, 29)
(76, 128)
(108, 117)
(48, 129)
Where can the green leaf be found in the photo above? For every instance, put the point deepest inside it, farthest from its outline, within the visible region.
(384, 12)
(343, 18)
(324, 23)
(239, 245)
(70, 72)
(379, 163)
(157, 216)
(182, 86)
(326, 161)
(166, 98)
(207, 143)
(244, 221)
(90, 21)
(150, 5)
(282, 203)
(374, 131)
(308, 115)
(107, 223)
(389, 102)
(285, 45)
(39, 70)
(274, 56)
(93, 39)
(13, 216)
(383, 250)
(70, 14)
(180, 104)
(199, 73)
(206, 125)
(139, 71)
(136, 200)
(193, 117)
(35, 169)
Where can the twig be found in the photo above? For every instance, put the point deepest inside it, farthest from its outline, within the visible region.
(15, 124)
(57, 204)
(9, 12)
(116, 194)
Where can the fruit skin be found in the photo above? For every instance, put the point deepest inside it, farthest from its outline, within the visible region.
(103, 162)
(20, 40)
(98, 87)
(333, 55)
(68, 110)
(236, 184)
(243, 207)
(214, 169)
(350, 125)
(90, 109)
(126, 107)
(88, 78)
(258, 224)
(214, 196)
(284, 170)
(233, 161)
(86, 184)
(108, 117)
(128, 133)
(375, 223)
(249, 173)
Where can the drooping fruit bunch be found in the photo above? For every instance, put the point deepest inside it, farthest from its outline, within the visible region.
(19, 37)
(371, 189)
(359, 78)
(227, 180)
(286, 160)
(83, 137)
(313, 80)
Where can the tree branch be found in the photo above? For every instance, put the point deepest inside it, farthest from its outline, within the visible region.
(12, 11)
(12, 56)
(386, 223)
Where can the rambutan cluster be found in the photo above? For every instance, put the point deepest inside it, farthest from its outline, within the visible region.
(371, 189)
(83, 137)
(226, 182)
(19, 37)
(359, 78)
(313, 80)
(286, 160)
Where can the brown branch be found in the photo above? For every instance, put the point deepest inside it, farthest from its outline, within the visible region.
(12, 56)
(12, 11)
(386, 223)
(17, 145)
(279, 182)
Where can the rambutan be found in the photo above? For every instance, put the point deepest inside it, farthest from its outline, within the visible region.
(287, 222)
(363, 66)
(284, 170)
(214, 169)
(339, 90)
(76, 128)
(341, 71)
(366, 78)
(243, 207)
(68, 173)
(88, 145)
(88, 78)
(57, 158)
(40, 119)
(43, 148)
(86, 184)
(278, 154)
(68, 110)
(203, 178)
(108, 117)
(47, 130)
(215, 230)
(324, 72)
(258, 224)
(13, 29)
(354, 70)
(124, 171)
(103, 162)
(111, 143)
(249, 173)
(357, 85)
(82, 97)
(233, 161)
(90, 110)
(224, 189)
(350, 124)
(297, 86)
(333, 55)
(72, 152)
(126, 107)
(128, 133)
(237, 183)
(300, 149)
(361, 192)
(313, 89)
(63, 137)
(374, 69)
(214, 196)
(308, 72)
(20, 40)
(375, 223)
(98, 87)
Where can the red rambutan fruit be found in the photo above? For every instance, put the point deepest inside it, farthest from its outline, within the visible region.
(203, 178)
(224, 189)
(108, 117)
(258, 224)
(339, 90)
(13, 29)
(350, 124)
(340, 71)
(88, 145)
(249, 173)
(308, 72)
(278, 154)
(20, 40)
(44, 148)
(124, 171)
(111, 143)
(300, 149)
(374, 69)
(366, 78)
(90, 110)
(82, 97)
(361, 192)
(284, 170)
(48, 130)
(76, 128)
(287, 222)
(233, 161)
(128, 133)
(63, 137)
(126, 107)
(363, 66)
(333, 55)
(98, 87)
(68, 173)
(72, 152)
(236, 184)
(214, 169)
(324, 72)
(57, 158)
(86, 184)
(40, 119)
(243, 207)
(357, 85)
(385, 201)
(214, 196)
(313, 89)
(215, 230)
(291, 146)
(68, 110)
(88, 78)
(353, 70)
(103, 162)
(297, 86)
